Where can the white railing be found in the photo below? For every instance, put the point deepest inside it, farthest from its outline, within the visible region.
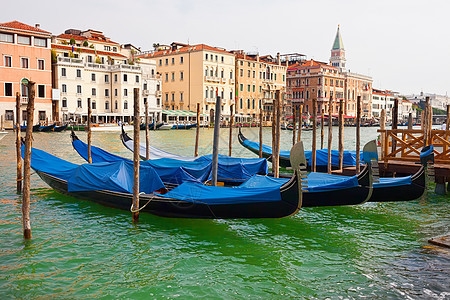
(69, 60)
(145, 92)
(158, 93)
(231, 81)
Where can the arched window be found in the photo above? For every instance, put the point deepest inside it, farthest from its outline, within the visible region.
(64, 102)
(125, 104)
(248, 103)
(116, 105)
(253, 104)
(240, 103)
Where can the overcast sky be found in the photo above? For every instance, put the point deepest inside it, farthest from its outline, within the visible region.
(404, 45)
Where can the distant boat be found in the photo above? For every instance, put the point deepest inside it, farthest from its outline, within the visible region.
(35, 128)
(183, 126)
(60, 128)
(47, 128)
(111, 127)
(3, 134)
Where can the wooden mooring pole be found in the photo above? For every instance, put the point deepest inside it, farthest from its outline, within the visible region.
(147, 129)
(27, 163)
(230, 141)
(447, 122)
(358, 132)
(197, 130)
(260, 132)
(330, 132)
(136, 123)
(410, 121)
(425, 119)
(18, 146)
(215, 160)
(383, 134)
(341, 135)
(322, 121)
(294, 121)
(394, 122)
(314, 133)
(89, 133)
(276, 148)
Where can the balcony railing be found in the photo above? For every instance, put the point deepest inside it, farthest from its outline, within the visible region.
(70, 61)
(231, 81)
(145, 92)
(212, 79)
(158, 93)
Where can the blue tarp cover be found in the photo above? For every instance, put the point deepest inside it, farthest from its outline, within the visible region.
(389, 182)
(113, 176)
(214, 195)
(177, 171)
(321, 155)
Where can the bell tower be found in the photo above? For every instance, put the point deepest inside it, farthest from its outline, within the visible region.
(337, 58)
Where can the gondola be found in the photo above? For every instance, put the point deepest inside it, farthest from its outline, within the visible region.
(151, 126)
(184, 126)
(47, 128)
(35, 128)
(101, 183)
(60, 128)
(323, 189)
(321, 155)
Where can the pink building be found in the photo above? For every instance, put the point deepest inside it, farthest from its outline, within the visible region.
(25, 52)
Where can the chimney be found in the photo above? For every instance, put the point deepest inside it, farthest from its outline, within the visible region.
(257, 57)
(37, 25)
(278, 59)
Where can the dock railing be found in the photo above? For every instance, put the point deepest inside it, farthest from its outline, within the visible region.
(406, 144)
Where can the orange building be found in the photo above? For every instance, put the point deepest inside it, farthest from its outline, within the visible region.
(25, 53)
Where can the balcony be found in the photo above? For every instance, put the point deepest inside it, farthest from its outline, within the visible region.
(267, 100)
(23, 100)
(145, 92)
(231, 81)
(70, 61)
(223, 80)
(210, 100)
(212, 79)
(124, 67)
(158, 93)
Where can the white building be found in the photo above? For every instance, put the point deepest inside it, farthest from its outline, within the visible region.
(436, 101)
(86, 64)
(382, 100)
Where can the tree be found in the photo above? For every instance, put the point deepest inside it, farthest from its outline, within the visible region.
(85, 44)
(53, 55)
(72, 41)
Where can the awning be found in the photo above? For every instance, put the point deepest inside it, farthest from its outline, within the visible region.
(179, 113)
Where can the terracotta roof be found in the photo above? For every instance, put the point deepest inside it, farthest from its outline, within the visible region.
(83, 38)
(309, 63)
(184, 49)
(21, 26)
(261, 59)
(87, 50)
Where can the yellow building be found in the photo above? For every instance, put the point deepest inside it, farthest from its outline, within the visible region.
(258, 79)
(192, 74)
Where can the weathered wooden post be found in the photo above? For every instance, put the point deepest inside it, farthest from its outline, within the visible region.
(341, 135)
(394, 122)
(330, 132)
(300, 118)
(322, 121)
(154, 120)
(383, 135)
(294, 121)
(89, 131)
(447, 122)
(230, 141)
(27, 163)
(260, 132)
(197, 130)
(358, 132)
(147, 137)
(18, 146)
(216, 142)
(276, 148)
(313, 154)
(136, 123)
(425, 126)
(410, 121)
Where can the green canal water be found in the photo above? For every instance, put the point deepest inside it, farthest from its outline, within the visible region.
(81, 249)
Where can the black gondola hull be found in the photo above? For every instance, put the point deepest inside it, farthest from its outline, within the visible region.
(167, 207)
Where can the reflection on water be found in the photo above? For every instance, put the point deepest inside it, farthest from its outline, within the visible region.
(82, 249)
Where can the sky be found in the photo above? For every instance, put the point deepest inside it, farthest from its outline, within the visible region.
(404, 45)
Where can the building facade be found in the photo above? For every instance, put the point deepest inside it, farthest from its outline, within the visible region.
(195, 74)
(87, 64)
(257, 81)
(26, 54)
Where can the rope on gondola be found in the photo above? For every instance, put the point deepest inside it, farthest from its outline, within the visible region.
(141, 208)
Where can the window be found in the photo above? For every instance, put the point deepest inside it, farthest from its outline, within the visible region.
(42, 116)
(216, 58)
(254, 88)
(248, 103)
(173, 96)
(106, 93)
(173, 60)
(79, 104)
(206, 56)
(24, 62)
(248, 87)
(9, 115)
(64, 88)
(24, 40)
(24, 115)
(41, 91)
(40, 42)
(240, 103)
(7, 61)
(93, 76)
(167, 77)
(63, 72)
(167, 61)
(94, 105)
(181, 59)
(115, 77)
(64, 102)
(221, 58)
(221, 74)
(116, 105)
(231, 74)
(94, 92)
(181, 76)
(78, 73)
(167, 97)
(241, 72)
(173, 76)
(106, 78)
(89, 58)
(160, 62)
(115, 92)
(125, 104)
(137, 78)
(125, 78)
(241, 87)
(125, 92)
(78, 89)
(248, 73)
(145, 86)
(181, 96)
(5, 37)
(106, 105)
(40, 64)
(8, 89)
